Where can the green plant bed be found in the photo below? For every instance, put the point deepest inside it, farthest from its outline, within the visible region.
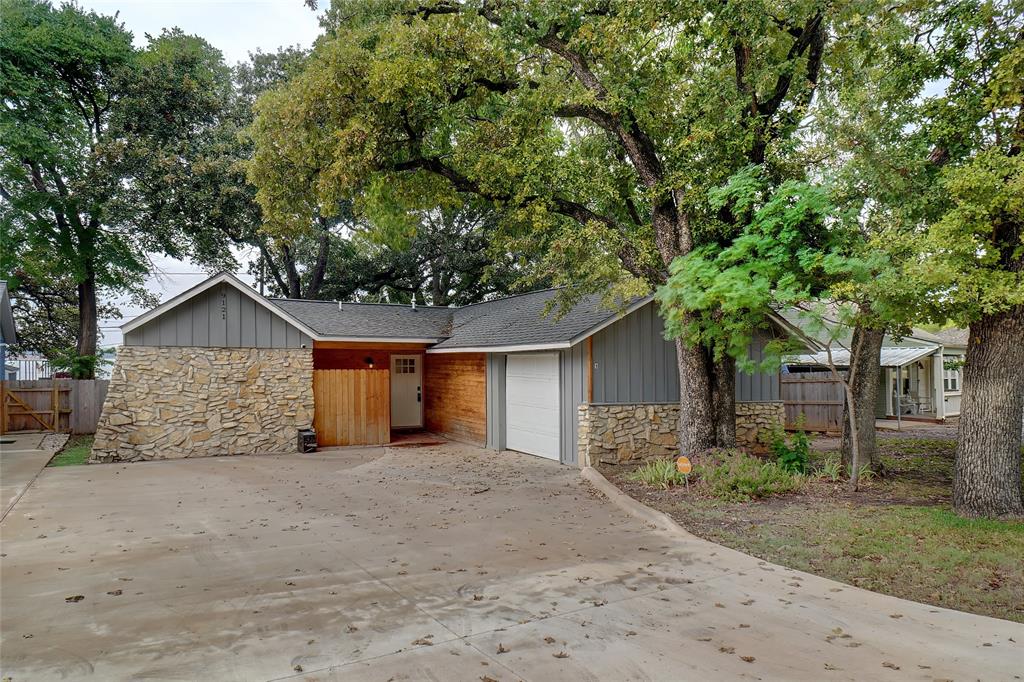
(75, 451)
(896, 535)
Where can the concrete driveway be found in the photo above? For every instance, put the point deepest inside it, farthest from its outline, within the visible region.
(443, 563)
(22, 457)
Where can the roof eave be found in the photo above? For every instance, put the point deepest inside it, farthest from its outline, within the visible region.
(518, 348)
(378, 339)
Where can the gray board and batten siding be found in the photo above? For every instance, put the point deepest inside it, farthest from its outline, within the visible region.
(633, 363)
(220, 317)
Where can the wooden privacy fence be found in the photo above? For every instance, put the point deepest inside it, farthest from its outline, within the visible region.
(818, 396)
(58, 405)
(352, 406)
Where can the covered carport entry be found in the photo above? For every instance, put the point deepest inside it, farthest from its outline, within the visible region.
(532, 407)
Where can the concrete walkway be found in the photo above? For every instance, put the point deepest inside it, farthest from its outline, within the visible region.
(20, 462)
(438, 563)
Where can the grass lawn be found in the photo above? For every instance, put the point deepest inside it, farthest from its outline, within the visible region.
(75, 451)
(897, 535)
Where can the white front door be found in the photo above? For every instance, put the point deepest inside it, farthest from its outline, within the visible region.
(406, 391)
(532, 405)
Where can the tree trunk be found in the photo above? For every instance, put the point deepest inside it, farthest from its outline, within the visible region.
(291, 272)
(852, 414)
(316, 277)
(988, 459)
(697, 412)
(724, 396)
(865, 369)
(87, 323)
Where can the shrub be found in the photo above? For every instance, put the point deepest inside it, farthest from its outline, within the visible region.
(831, 468)
(793, 454)
(659, 472)
(741, 477)
(864, 473)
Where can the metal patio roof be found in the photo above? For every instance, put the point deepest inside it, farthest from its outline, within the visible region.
(891, 357)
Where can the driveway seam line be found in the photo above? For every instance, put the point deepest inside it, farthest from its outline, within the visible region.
(31, 483)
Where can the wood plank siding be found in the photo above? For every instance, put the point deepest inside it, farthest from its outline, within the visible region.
(455, 395)
(352, 406)
(221, 317)
(358, 358)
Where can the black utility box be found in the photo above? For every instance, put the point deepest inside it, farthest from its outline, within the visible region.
(307, 440)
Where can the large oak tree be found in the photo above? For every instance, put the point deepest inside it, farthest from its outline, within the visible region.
(91, 129)
(600, 126)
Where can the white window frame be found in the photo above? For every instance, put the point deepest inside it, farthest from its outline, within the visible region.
(951, 378)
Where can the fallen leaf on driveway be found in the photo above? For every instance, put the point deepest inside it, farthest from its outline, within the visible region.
(549, 639)
(561, 654)
(502, 649)
(748, 659)
(887, 664)
(115, 593)
(727, 649)
(423, 641)
(74, 598)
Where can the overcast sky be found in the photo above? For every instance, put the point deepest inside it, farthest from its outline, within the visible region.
(236, 28)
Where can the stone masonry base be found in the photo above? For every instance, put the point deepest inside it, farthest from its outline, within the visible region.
(173, 402)
(616, 433)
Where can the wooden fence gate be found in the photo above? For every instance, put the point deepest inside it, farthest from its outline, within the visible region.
(818, 396)
(61, 405)
(352, 406)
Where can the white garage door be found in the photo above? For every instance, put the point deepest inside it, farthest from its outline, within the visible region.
(531, 404)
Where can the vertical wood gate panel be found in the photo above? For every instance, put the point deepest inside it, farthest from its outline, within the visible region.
(30, 405)
(815, 395)
(352, 406)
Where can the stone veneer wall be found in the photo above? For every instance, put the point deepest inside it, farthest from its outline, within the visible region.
(172, 402)
(616, 433)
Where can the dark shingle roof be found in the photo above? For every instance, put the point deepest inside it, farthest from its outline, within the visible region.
(953, 336)
(520, 320)
(513, 321)
(369, 319)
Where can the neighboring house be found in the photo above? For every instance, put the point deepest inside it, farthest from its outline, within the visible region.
(219, 370)
(921, 373)
(8, 334)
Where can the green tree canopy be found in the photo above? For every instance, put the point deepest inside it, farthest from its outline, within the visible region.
(94, 134)
(598, 127)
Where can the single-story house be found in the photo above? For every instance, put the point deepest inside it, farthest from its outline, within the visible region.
(220, 369)
(920, 376)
